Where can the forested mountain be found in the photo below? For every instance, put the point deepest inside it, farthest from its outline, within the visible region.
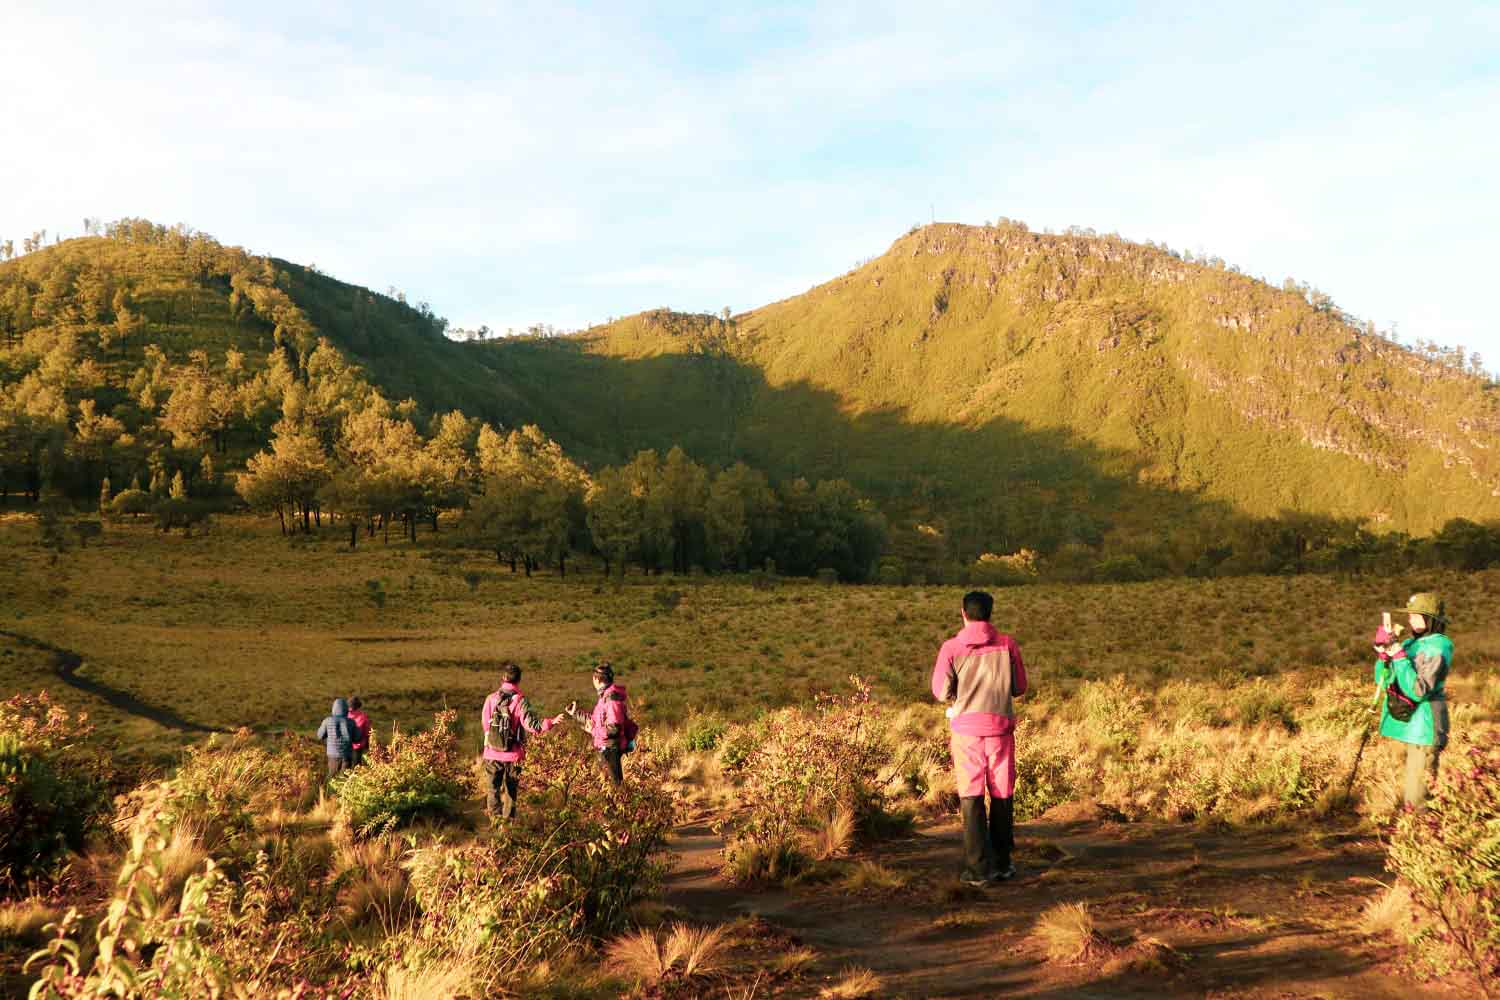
(153, 371)
(1016, 388)
(1000, 394)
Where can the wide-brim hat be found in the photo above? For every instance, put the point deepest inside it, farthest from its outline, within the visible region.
(1425, 603)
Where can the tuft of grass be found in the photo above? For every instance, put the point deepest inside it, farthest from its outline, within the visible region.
(1383, 913)
(794, 962)
(649, 957)
(872, 876)
(853, 983)
(26, 920)
(1068, 934)
(832, 836)
(434, 980)
(961, 920)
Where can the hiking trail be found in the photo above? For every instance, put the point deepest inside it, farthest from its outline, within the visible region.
(1246, 913)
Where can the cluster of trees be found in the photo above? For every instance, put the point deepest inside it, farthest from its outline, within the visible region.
(524, 499)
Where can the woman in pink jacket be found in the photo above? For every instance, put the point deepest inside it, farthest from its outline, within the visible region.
(610, 723)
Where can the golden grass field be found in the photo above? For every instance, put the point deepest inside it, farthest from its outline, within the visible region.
(1236, 704)
(238, 627)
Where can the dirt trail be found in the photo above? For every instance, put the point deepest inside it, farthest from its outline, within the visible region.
(1247, 914)
(65, 664)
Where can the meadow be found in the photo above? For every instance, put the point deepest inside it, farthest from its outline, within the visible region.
(1211, 705)
(238, 627)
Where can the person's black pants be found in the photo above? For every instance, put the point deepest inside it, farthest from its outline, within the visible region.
(609, 760)
(988, 840)
(500, 791)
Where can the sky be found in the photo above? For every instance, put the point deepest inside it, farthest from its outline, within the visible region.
(520, 163)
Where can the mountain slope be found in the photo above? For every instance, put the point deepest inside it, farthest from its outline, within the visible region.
(969, 366)
(182, 292)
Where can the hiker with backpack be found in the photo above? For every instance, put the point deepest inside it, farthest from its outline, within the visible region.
(610, 724)
(1410, 674)
(506, 719)
(979, 674)
(338, 735)
(361, 731)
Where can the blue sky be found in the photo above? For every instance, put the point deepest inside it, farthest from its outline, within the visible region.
(520, 163)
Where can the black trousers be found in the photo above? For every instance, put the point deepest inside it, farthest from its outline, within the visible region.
(609, 760)
(501, 788)
(988, 840)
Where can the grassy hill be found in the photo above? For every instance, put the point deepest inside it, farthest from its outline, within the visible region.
(188, 293)
(989, 373)
(989, 386)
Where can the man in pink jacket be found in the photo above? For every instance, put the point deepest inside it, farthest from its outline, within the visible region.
(980, 674)
(506, 719)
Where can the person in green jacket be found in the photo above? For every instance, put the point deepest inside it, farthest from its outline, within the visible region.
(1411, 672)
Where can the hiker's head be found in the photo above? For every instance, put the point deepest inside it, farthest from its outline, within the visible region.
(604, 676)
(1426, 614)
(355, 704)
(510, 672)
(978, 606)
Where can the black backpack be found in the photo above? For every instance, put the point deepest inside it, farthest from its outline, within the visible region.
(503, 734)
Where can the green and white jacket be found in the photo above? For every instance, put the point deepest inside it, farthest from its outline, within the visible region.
(1421, 674)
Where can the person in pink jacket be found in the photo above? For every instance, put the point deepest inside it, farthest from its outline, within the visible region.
(979, 674)
(506, 720)
(610, 724)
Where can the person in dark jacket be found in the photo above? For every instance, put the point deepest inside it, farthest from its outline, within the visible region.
(338, 735)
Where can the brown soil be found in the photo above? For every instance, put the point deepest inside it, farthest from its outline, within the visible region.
(1182, 911)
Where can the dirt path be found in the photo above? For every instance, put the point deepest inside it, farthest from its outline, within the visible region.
(65, 664)
(1246, 914)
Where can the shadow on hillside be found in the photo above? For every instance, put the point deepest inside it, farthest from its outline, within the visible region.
(1001, 481)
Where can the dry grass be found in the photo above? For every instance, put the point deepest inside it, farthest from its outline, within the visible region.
(871, 876)
(1385, 912)
(832, 836)
(26, 920)
(183, 857)
(434, 981)
(795, 961)
(649, 956)
(1068, 934)
(853, 983)
(961, 920)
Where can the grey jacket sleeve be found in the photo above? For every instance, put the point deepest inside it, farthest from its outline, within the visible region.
(322, 730)
(1430, 671)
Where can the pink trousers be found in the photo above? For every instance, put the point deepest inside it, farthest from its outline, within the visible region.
(984, 763)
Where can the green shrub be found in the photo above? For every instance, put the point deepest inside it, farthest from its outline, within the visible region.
(1114, 711)
(1449, 853)
(703, 734)
(579, 855)
(806, 764)
(418, 775)
(52, 791)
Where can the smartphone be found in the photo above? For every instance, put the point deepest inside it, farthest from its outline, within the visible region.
(1385, 620)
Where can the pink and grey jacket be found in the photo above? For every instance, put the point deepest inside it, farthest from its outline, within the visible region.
(609, 718)
(525, 719)
(980, 671)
